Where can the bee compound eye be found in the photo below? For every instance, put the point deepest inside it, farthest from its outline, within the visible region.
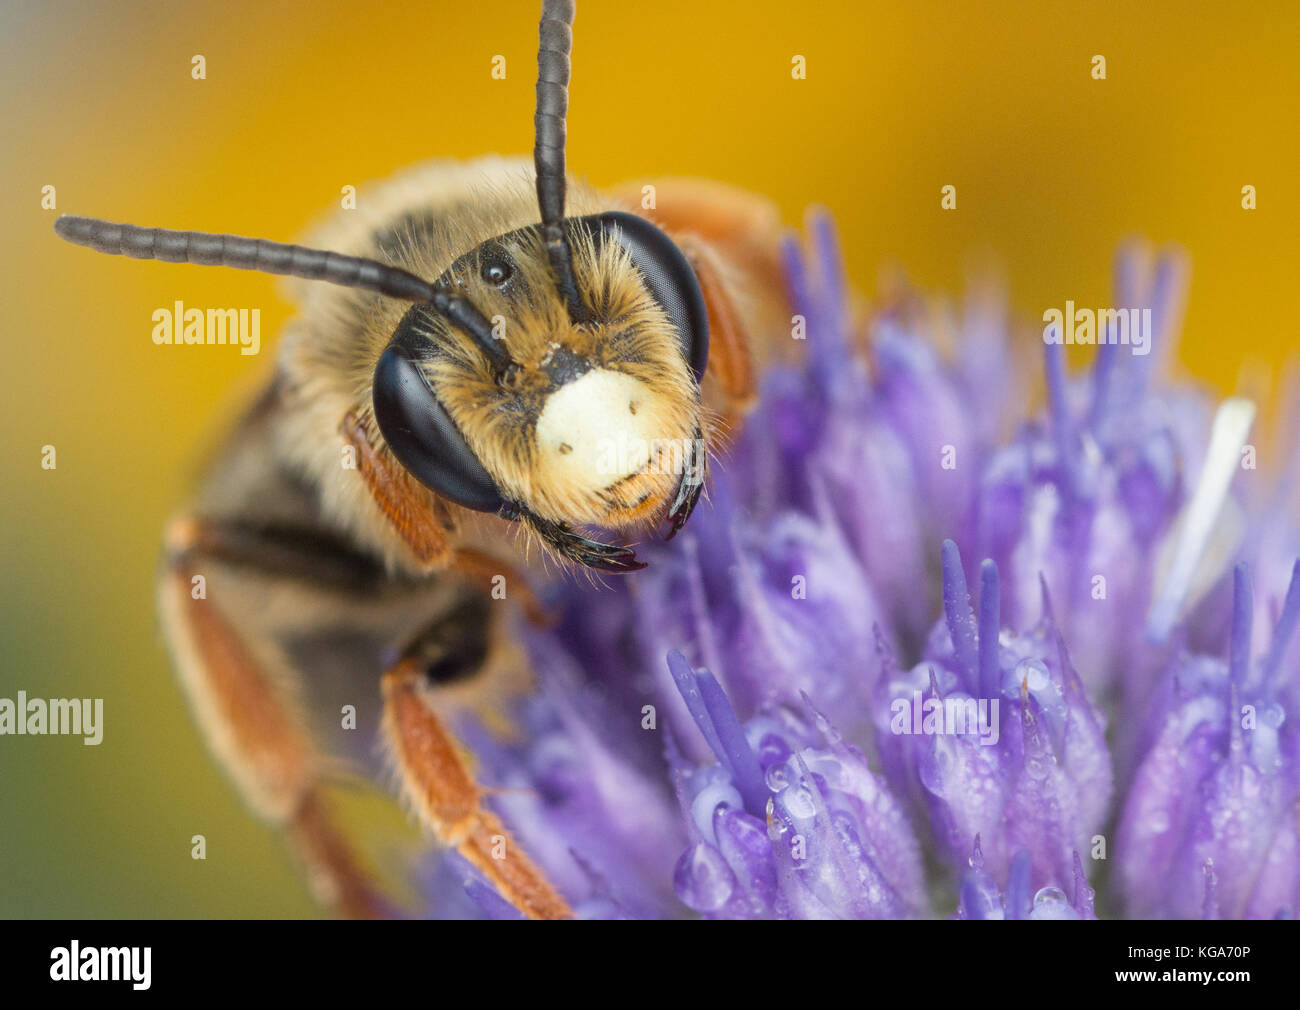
(423, 436)
(668, 275)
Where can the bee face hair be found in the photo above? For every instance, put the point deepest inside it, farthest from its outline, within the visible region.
(550, 375)
(583, 423)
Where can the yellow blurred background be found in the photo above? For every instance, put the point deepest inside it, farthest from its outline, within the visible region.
(1052, 170)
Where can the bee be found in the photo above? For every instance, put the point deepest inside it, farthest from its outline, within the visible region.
(569, 369)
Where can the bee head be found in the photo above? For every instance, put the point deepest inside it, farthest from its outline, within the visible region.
(556, 381)
(593, 420)
(549, 375)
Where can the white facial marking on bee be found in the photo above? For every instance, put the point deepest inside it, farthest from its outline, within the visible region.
(598, 429)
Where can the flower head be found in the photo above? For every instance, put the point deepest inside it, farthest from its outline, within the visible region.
(1081, 498)
(993, 732)
(790, 822)
(795, 703)
(981, 898)
(1210, 824)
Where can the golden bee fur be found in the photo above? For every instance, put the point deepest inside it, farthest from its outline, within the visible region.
(328, 356)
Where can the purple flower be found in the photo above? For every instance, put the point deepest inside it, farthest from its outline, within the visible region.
(888, 445)
(584, 795)
(795, 703)
(1210, 823)
(981, 898)
(993, 733)
(774, 607)
(1270, 543)
(1082, 498)
(790, 823)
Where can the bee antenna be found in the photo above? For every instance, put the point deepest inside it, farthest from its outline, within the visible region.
(463, 314)
(208, 249)
(555, 41)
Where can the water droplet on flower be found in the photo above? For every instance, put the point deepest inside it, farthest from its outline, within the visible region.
(772, 749)
(798, 802)
(1032, 672)
(1051, 903)
(712, 796)
(702, 879)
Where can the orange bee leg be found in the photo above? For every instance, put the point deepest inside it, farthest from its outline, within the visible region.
(449, 802)
(743, 226)
(253, 729)
(732, 239)
(424, 524)
(478, 568)
(434, 777)
(419, 518)
(731, 363)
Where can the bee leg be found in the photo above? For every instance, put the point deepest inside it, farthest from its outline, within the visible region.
(479, 568)
(577, 548)
(731, 365)
(689, 489)
(732, 238)
(447, 799)
(253, 728)
(415, 516)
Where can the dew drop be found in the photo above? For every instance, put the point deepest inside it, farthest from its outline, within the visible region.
(702, 879)
(798, 802)
(1034, 672)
